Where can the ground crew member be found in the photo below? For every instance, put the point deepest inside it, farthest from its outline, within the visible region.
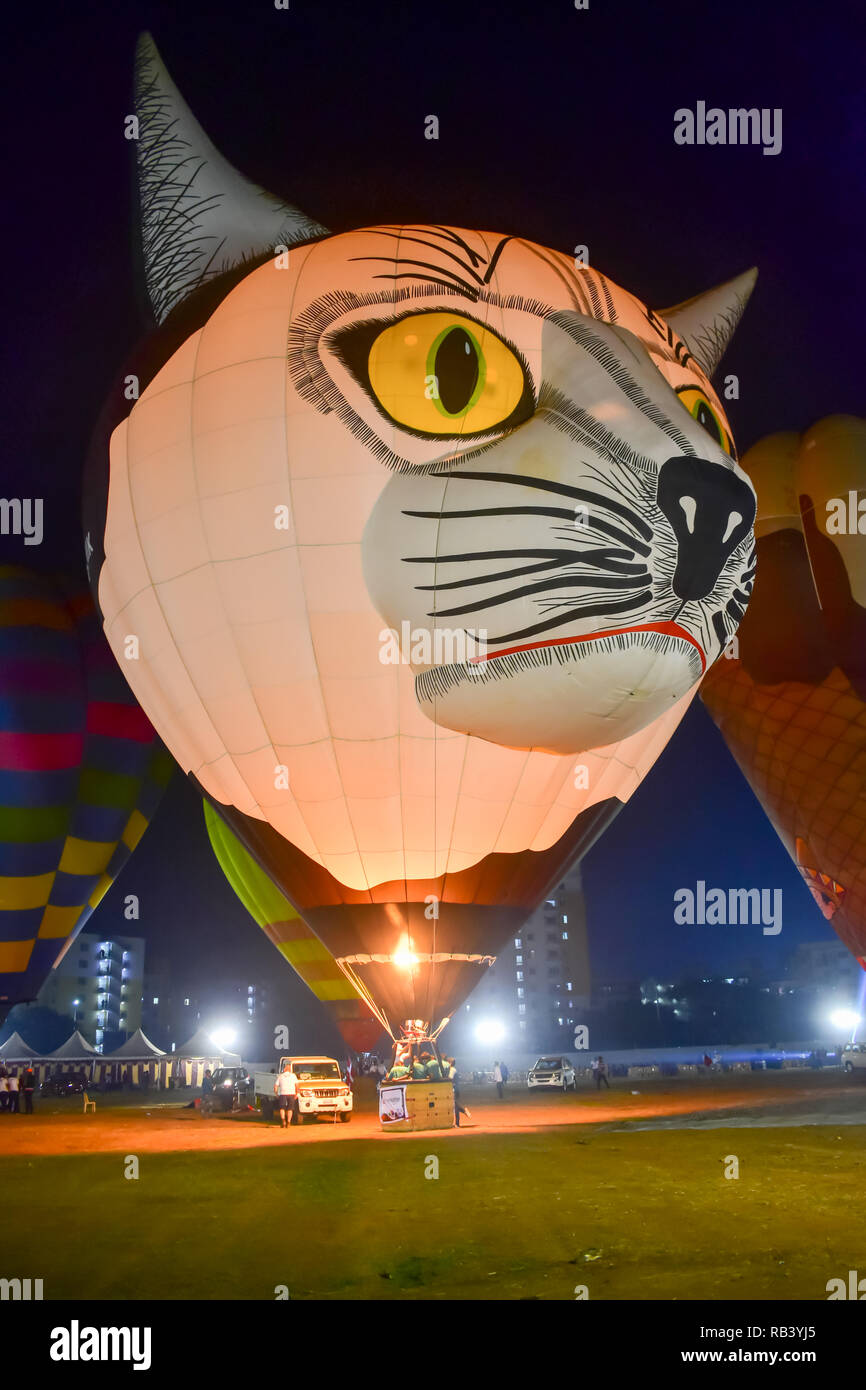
(286, 1091)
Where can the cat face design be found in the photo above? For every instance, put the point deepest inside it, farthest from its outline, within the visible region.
(403, 519)
(563, 538)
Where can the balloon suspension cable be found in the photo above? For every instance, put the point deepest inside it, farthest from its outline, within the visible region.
(357, 983)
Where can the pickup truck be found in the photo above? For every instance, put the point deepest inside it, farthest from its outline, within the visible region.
(321, 1088)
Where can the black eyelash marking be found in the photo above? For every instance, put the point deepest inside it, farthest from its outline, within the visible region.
(469, 290)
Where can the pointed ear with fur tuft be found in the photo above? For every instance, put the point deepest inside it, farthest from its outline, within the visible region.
(198, 215)
(707, 322)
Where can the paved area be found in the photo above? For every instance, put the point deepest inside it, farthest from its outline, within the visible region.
(759, 1099)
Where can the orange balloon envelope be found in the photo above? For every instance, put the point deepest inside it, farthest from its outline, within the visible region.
(423, 538)
(792, 707)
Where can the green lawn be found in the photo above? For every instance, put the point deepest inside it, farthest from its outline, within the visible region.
(632, 1215)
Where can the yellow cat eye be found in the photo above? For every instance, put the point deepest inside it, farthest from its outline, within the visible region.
(696, 403)
(441, 373)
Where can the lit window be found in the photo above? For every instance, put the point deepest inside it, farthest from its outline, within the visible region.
(186, 1002)
(156, 999)
(521, 1008)
(560, 1023)
(565, 936)
(568, 985)
(520, 993)
(518, 943)
(519, 974)
(518, 960)
(565, 919)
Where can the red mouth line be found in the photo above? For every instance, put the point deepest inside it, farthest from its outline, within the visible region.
(667, 629)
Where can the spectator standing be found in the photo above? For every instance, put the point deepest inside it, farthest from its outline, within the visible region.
(12, 1085)
(498, 1079)
(599, 1068)
(27, 1084)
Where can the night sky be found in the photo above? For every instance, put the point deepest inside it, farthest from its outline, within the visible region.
(554, 124)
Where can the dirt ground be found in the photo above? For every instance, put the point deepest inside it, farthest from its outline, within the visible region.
(158, 1125)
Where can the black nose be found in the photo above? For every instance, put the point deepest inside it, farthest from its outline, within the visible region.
(710, 510)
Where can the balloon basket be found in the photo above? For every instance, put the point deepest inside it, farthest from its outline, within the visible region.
(406, 1106)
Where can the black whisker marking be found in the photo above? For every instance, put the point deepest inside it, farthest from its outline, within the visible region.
(564, 581)
(564, 490)
(593, 524)
(587, 611)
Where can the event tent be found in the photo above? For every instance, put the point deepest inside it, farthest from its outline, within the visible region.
(199, 1053)
(137, 1060)
(75, 1049)
(15, 1049)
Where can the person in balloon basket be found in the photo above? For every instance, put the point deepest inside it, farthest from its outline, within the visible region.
(286, 1092)
(432, 1067)
(27, 1085)
(399, 1071)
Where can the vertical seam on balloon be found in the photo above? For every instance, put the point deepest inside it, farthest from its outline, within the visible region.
(153, 588)
(294, 289)
(210, 561)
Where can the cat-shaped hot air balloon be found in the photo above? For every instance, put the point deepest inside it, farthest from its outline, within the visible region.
(414, 546)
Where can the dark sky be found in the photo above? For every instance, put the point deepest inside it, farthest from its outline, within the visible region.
(554, 124)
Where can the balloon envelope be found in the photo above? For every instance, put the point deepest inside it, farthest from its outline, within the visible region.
(792, 707)
(293, 939)
(424, 572)
(81, 773)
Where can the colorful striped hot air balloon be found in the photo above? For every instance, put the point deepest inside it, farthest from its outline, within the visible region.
(81, 773)
(292, 938)
(792, 707)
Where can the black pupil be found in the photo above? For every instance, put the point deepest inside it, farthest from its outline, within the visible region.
(456, 369)
(706, 418)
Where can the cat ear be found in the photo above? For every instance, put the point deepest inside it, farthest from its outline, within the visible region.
(707, 322)
(198, 215)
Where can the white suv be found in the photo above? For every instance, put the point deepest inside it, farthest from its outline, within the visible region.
(853, 1056)
(551, 1071)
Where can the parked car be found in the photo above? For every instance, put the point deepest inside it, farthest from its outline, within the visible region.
(551, 1071)
(232, 1090)
(854, 1056)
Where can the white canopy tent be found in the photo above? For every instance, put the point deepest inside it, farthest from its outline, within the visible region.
(201, 1052)
(15, 1049)
(137, 1062)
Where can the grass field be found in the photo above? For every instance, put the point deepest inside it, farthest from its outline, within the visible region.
(644, 1215)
